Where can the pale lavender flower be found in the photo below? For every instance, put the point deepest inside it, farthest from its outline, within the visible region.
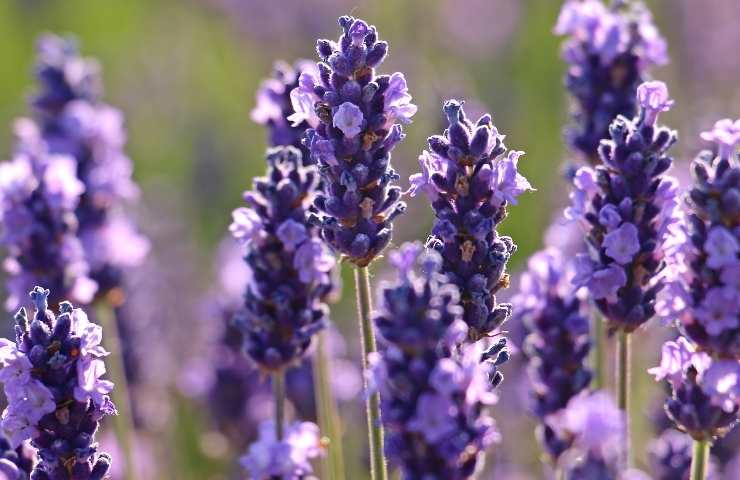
(287, 459)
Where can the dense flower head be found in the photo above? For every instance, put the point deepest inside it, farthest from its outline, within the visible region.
(470, 180)
(703, 296)
(286, 459)
(355, 118)
(608, 51)
(705, 398)
(433, 394)
(39, 192)
(52, 376)
(73, 121)
(628, 209)
(274, 105)
(15, 463)
(557, 342)
(289, 268)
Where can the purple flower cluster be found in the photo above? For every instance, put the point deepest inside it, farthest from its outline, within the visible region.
(289, 266)
(433, 394)
(74, 122)
(608, 52)
(275, 105)
(706, 391)
(557, 342)
(627, 207)
(15, 463)
(470, 182)
(669, 456)
(287, 459)
(355, 116)
(56, 396)
(704, 296)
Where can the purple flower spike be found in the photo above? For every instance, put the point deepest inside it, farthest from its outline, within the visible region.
(628, 209)
(432, 391)
(355, 116)
(608, 51)
(726, 134)
(653, 99)
(470, 180)
(289, 458)
(56, 396)
(289, 266)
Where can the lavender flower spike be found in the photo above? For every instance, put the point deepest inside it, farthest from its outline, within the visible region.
(56, 396)
(703, 297)
(289, 266)
(608, 52)
(356, 116)
(557, 342)
(470, 180)
(287, 459)
(627, 207)
(433, 394)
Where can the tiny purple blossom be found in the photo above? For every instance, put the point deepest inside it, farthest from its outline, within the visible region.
(398, 100)
(722, 381)
(291, 233)
(595, 420)
(609, 217)
(509, 183)
(348, 118)
(622, 243)
(289, 458)
(246, 224)
(313, 260)
(404, 258)
(435, 417)
(653, 98)
(430, 164)
(726, 134)
(722, 247)
(605, 283)
(720, 310)
(675, 358)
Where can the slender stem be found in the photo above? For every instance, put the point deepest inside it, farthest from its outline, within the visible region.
(278, 392)
(623, 388)
(598, 351)
(378, 470)
(700, 460)
(123, 426)
(329, 420)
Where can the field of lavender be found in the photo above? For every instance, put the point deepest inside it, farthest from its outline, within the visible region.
(370, 240)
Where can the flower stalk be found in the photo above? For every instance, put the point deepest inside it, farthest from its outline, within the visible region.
(700, 460)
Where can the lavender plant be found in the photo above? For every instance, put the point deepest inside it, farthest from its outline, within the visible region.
(433, 394)
(287, 458)
(15, 463)
(609, 51)
(557, 342)
(52, 376)
(470, 183)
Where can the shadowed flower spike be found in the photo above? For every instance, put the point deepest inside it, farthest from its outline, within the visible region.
(286, 459)
(703, 296)
(433, 393)
(628, 209)
(356, 116)
(608, 50)
(470, 179)
(56, 396)
(289, 267)
(706, 391)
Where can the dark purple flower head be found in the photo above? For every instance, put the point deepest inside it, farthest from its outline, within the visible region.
(274, 105)
(627, 207)
(704, 295)
(433, 393)
(706, 392)
(470, 179)
(39, 192)
(286, 459)
(669, 456)
(355, 116)
(289, 267)
(52, 375)
(15, 463)
(557, 342)
(608, 52)
(73, 121)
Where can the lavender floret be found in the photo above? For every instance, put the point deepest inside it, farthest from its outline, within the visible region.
(608, 52)
(470, 180)
(433, 394)
(52, 375)
(286, 459)
(289, 266)
(627, 207)
(355, 117)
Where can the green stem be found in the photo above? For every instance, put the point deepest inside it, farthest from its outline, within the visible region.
(329, 420)
(623, 388)
(378, 469)
(278, 392)
(598, 351)
(123, 426)
(700, 460)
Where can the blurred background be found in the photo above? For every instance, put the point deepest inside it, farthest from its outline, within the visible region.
(185, 73)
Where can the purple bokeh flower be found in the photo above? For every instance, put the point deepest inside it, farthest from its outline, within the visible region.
(289, 458)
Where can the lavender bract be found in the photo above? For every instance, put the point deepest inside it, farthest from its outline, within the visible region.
(286, 459)
(433, 395)
(52, 375)
(355, 117)
(627, 207)
(557, 342)
(470, 182)
(289, 266)
(608, 52)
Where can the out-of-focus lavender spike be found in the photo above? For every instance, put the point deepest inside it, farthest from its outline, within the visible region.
(289, 458)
